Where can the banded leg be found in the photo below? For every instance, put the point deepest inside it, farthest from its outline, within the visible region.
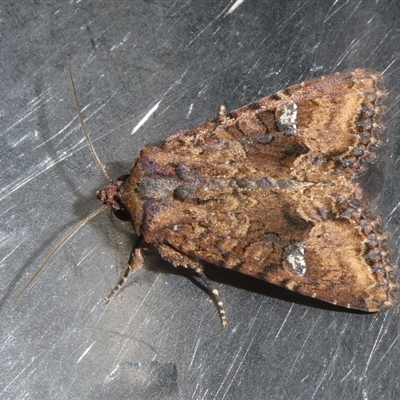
(181, 260)
(135, 262)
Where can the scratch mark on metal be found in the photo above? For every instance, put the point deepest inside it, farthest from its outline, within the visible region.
(11, 252)
(382, 331)
(38, 170)
(384, 71)
(334, 12)
(109, 377)
(145, 118)
(284, 322)
(26, 116)
(247, 347)
(18, 375)
(121, 346)
(196, 347)
(121, 42)
(85, 352)
(190, 110)
(235, 6)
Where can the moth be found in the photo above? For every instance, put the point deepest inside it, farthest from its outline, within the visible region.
(267, 190)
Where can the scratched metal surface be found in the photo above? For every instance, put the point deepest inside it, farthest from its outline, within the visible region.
(174, 63)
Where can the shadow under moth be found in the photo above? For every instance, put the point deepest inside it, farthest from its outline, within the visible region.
(267, 190)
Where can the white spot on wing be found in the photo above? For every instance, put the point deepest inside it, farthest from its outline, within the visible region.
(295, 256)
(287, 121)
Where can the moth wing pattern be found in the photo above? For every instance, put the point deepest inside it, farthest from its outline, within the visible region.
(268, 190)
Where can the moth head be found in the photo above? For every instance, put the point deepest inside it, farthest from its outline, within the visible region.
(111, 196)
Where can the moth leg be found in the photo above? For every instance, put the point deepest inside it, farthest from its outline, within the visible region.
(178, 259)
(135, 262)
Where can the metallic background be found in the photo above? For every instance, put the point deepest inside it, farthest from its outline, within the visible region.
(162, 338)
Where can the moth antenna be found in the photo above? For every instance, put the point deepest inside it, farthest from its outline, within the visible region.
(80, 225)
(83, 127)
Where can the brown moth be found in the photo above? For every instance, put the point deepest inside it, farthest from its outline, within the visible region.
(268, 190)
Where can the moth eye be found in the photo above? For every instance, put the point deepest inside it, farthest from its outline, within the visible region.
(122, 215)
(122, 179)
